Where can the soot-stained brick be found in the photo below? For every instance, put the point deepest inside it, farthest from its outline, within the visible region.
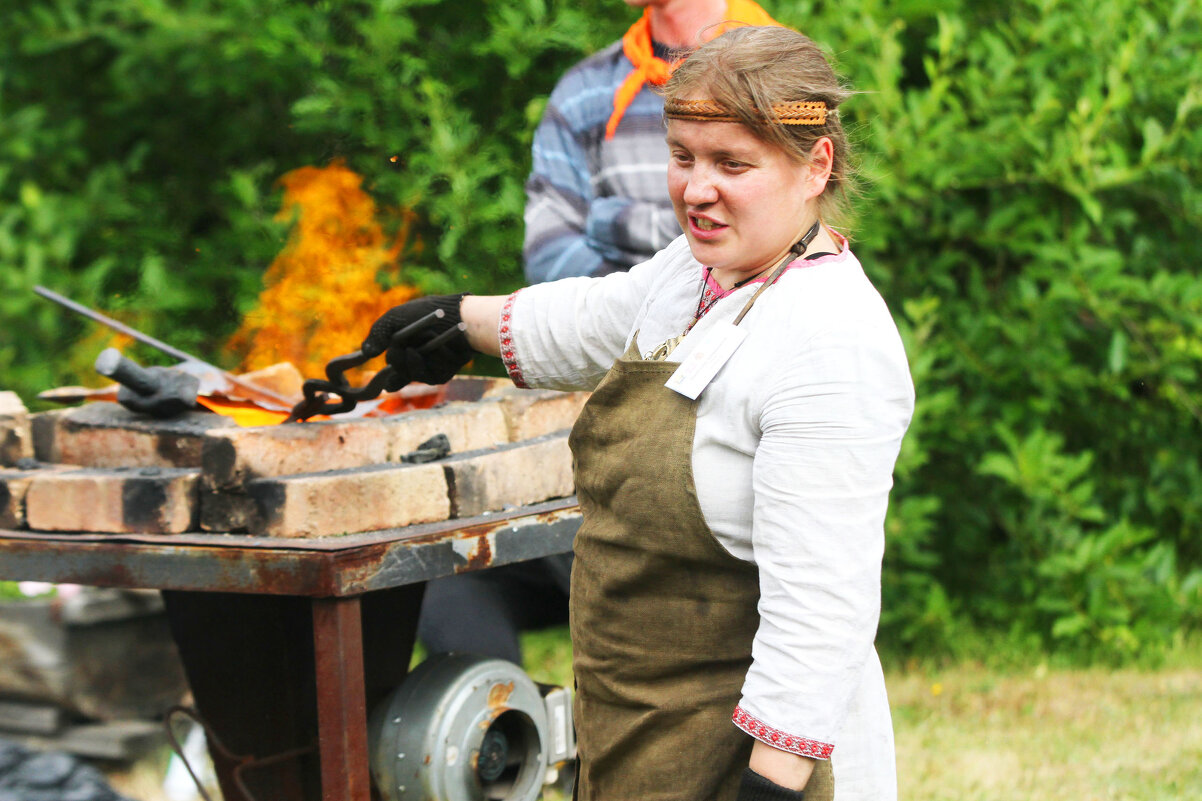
(225, 511)
(453, 491)
(269, 498)
(109, 435)
(336, 502)
(146, 500)
(10, 513)
(16, 439)
(44, 426)
(14, 485)
(518, 473)
(143, 499)
(218, 458)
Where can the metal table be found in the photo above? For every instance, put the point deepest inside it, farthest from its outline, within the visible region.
(288, 643)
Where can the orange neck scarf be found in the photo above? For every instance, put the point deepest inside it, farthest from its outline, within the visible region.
(648, 68)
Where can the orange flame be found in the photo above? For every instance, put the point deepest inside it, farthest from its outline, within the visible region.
(322, 291)
(245, 413)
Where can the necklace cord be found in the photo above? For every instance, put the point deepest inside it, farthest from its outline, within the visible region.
(798, 250)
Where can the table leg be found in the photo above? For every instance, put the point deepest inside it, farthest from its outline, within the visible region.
(341, 699)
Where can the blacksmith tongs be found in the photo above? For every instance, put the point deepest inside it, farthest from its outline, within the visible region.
(317, 390)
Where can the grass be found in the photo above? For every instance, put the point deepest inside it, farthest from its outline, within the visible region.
(970, 734)
(976, 732)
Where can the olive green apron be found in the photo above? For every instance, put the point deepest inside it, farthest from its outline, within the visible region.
(662, 616)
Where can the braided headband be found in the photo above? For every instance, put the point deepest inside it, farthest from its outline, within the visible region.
(800, 112)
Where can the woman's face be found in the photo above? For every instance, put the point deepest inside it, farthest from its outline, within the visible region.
(741, 202)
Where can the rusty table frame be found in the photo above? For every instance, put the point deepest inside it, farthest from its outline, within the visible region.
(287, 643)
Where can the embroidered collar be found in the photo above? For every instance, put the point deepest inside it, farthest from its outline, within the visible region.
(712, 292)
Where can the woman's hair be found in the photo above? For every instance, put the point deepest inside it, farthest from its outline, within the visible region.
(749, 71)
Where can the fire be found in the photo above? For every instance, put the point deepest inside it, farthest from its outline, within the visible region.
(244, 413)
(323, 290)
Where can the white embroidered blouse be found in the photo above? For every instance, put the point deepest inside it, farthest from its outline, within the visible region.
(793, 457)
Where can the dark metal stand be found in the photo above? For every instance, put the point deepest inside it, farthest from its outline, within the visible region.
(288, 644)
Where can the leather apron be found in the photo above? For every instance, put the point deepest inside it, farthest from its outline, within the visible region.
(662, 616)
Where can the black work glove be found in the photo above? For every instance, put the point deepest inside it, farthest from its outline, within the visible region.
(415, 358)
(755, 787)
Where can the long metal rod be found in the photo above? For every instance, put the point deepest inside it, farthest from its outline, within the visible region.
(257, 393)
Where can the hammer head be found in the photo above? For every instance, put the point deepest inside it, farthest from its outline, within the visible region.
(157, 391)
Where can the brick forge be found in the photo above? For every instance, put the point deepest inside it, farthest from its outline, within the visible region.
(101, 468)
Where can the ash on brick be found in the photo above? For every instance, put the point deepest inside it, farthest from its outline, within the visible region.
(235, 457)
(489, 479)
(268, 499)
(106, 434)
(8, 515)
(14, 484)
(143, 497)
(226, 511)
(336, 502)
(148, 500)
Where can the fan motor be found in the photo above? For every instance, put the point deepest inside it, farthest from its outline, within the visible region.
(469, 728)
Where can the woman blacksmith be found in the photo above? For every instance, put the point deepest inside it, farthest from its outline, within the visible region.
(733, 464)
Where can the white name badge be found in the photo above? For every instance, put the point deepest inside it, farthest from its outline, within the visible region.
(699, 367)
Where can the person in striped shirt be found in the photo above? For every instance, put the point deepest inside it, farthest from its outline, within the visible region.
(597, 198)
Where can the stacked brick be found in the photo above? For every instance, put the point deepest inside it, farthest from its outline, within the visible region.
(16, 442)
(101, 468)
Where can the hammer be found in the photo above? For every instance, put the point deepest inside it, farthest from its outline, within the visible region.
(157, 391)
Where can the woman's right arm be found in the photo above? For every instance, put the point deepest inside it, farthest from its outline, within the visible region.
(558, 335)
(482, 316)
(566, 334)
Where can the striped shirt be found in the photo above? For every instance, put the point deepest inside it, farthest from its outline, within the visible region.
(596, 206)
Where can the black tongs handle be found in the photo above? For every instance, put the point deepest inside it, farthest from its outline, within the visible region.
(340, 364)
(316, 390)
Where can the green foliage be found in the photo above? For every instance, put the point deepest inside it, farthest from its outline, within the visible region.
(10, 591)
(1033, 214)
(1030, 210)
(140, 145)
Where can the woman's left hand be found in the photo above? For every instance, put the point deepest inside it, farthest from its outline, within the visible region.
(755, 787)
(789, 772)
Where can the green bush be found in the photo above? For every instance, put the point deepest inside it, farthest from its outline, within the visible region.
(1033, 217)
(140, 145)
(1030, 211)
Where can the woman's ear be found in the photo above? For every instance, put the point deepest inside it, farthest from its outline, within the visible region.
(822, 159)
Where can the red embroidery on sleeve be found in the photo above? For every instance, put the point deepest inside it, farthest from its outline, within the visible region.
(508, 355)
(802, 746)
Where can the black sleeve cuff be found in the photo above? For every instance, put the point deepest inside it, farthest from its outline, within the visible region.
(755, 787)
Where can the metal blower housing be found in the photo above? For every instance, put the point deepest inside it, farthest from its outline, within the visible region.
(468, 728)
